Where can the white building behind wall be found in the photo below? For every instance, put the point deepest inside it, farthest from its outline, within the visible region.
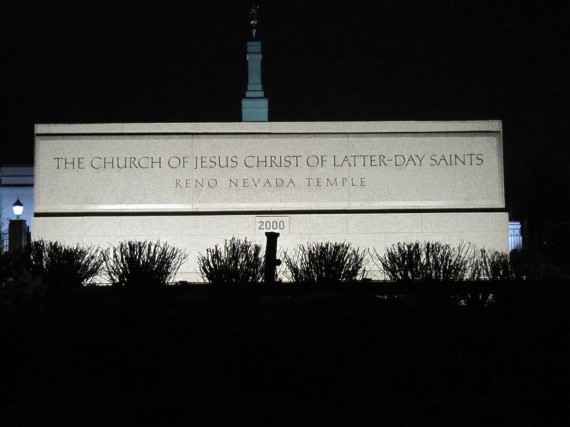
(16, 182)
(515, 236)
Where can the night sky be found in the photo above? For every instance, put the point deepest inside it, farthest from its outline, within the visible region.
(183, 61)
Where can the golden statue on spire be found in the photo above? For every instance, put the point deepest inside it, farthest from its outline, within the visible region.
(253, 19)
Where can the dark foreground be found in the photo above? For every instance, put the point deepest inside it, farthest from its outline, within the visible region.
(206, 356)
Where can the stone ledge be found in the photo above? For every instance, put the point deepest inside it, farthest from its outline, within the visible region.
(272, 127)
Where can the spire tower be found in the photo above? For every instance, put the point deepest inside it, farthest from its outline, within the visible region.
(254, 107)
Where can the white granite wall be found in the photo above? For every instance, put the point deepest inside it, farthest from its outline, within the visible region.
(196, 234)
(193, 185)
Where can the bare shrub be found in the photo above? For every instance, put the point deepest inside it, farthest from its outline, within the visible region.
(64, 267)
(143, 264)
(496, 265)
(325, 263)
(237, 262)
(423, 261)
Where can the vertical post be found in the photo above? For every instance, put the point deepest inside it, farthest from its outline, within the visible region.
(255, 106)
(271, 261)
(18, 233)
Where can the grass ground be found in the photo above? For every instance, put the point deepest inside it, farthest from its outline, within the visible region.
(209, 356)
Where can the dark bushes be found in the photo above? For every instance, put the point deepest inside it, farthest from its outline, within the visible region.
(6, 267)
(539, 266)
(411, 261)
(143, 265)
(63, 267)
(495, 265)
(325, 263)
(237, 262)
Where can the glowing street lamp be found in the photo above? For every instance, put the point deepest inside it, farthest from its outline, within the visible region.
(18, 208)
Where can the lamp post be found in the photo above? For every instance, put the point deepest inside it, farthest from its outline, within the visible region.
(18, 230)
(18, 208)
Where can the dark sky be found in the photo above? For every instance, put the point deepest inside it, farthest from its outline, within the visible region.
(184, 61)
